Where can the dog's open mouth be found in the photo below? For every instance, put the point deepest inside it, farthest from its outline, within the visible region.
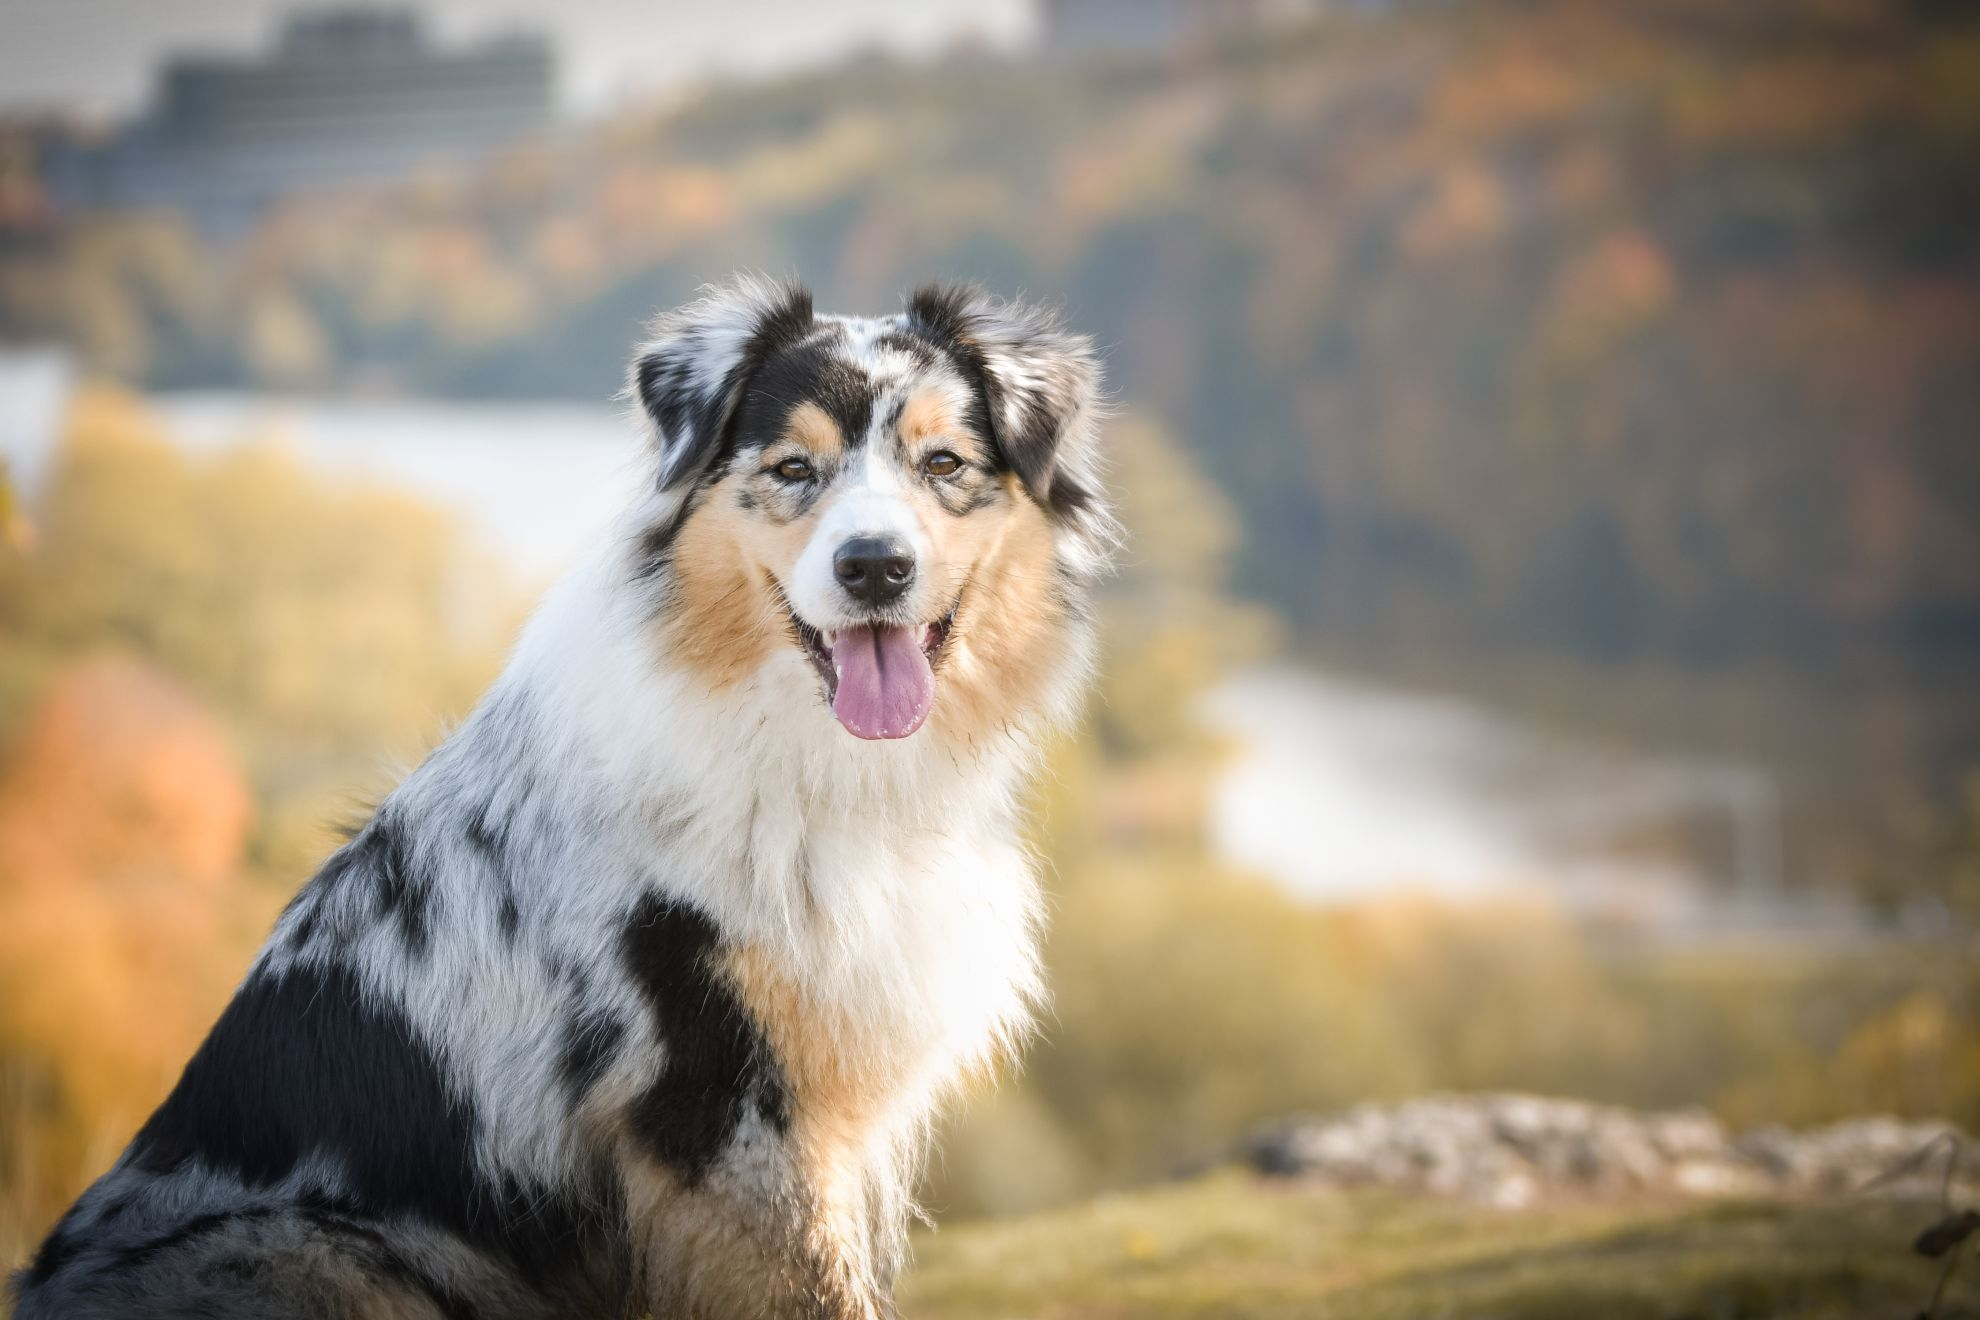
(879, 678)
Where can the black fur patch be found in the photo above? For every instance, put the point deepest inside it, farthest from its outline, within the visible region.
(590, 1045)
(655, 549)
(377, 863)
(303, 1063)
(485, 834)
(59, 1248)
(341, 1220)
(403, 893)
(945, 314)
(982, 497)
(667, 378)
(809, 372)
(189, 1230)
(489, 839)
(717, 1066)
(232, 1271)
(938, 315)
(305, 927)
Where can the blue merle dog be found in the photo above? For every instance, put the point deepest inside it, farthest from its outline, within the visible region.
(638, 996)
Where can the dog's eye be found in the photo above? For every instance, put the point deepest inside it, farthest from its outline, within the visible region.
(794, 469)
(941, 463)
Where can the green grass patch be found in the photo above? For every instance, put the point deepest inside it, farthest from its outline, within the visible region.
(1231, 1245)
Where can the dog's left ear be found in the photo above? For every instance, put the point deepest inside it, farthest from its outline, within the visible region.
(1040, 387)
(690, 375)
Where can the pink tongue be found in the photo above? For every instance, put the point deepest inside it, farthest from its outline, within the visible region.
(885, 684)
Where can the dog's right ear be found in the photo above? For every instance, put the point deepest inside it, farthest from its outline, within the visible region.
(690, 374)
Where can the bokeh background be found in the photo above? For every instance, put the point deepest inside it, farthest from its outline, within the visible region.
(1549, 431)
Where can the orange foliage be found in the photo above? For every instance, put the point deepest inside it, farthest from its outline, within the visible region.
(124, 914)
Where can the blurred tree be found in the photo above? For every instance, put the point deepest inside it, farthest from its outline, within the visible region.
(126, 917)
(331, 625)
(201, 665)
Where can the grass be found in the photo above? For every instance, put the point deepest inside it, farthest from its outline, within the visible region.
(1230, 1245)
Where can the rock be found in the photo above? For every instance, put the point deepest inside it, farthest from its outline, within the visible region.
(1509, 1149)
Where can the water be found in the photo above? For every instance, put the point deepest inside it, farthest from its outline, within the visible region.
(533, 481)
(1343, 790)
(35, 385)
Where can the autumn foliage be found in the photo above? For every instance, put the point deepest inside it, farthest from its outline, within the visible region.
(126, 911)
(204, 668)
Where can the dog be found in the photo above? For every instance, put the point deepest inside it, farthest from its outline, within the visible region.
(638, 996)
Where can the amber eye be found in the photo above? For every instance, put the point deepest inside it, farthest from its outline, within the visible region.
(941, 463)
(794, 469)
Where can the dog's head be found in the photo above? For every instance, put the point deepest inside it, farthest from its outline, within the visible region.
(897, 512)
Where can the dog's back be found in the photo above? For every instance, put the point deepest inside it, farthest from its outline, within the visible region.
(227, 1259)
(315, 1161)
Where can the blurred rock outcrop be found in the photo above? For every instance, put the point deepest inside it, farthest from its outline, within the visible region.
(1510, 1150)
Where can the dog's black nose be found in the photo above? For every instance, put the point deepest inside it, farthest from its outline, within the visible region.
(875, 569)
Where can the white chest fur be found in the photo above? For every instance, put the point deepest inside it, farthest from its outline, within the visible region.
(888, 936)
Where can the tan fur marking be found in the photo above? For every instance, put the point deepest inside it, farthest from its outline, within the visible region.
(714, 1251)
(813, 428)
(724, 617)
(834, 1074)
(1008, 638)
(928, 416)
(839, 1083)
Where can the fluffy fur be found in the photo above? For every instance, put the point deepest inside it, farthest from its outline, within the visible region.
(639, 994)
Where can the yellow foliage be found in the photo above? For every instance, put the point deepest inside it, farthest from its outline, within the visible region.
(285, 348)
(126, 916)
(203, 665)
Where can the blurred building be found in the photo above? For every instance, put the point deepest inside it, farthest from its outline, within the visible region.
(1079, 27)
(344, 96)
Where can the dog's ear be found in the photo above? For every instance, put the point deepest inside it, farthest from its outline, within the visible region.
(690, 375)
(1039, 385)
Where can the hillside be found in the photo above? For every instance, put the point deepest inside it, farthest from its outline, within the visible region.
(1232, 1245)
(1509, 1206)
